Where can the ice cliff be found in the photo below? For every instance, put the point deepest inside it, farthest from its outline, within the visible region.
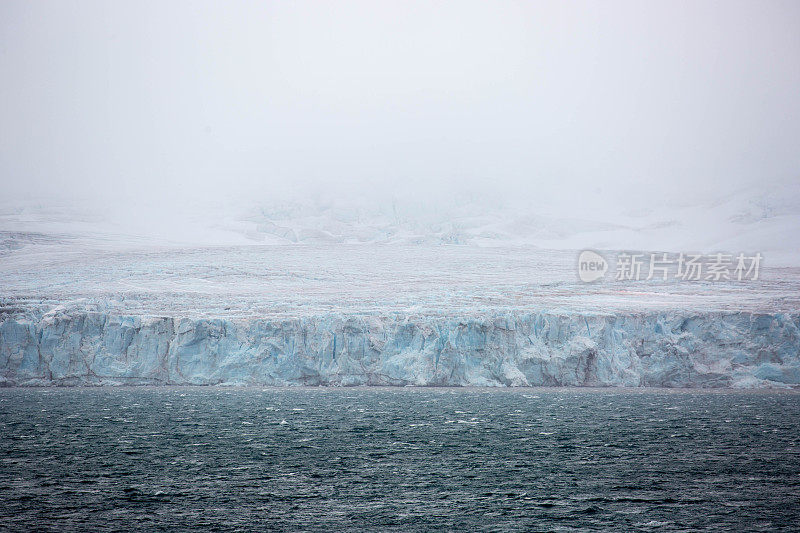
(657, 348)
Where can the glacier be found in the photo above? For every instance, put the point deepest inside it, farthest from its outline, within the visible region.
(90, 310)
(644, 349)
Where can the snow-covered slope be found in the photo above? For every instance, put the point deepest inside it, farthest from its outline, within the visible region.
(748, 220)
(752, 220)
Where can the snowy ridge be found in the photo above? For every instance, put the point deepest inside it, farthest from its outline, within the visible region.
(760, 219)
(763, 220)
(664, 349)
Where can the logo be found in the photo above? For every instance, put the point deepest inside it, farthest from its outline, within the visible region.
(591, 266)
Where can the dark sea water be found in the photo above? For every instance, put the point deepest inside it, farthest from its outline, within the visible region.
(401, 459)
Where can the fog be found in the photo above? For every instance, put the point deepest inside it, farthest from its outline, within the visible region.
(173, 104)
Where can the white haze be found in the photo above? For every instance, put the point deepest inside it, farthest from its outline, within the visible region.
(155, 110)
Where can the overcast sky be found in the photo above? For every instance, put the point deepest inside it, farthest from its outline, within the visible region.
(197, 100)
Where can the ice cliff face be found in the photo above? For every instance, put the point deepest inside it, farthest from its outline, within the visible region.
(666, 349)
